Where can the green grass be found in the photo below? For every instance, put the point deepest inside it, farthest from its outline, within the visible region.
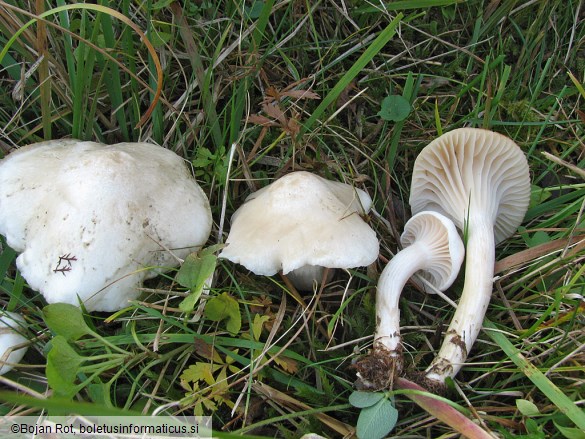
(514, 67)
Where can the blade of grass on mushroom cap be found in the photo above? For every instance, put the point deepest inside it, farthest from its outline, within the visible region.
(550, 390)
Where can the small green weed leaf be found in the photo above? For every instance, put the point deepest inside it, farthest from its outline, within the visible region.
(211, 165)
(258, 324)
(159, 38)
(253, 12)
(225, 307)
(538, 238)
(364, 399)
(377, 421)
(527, 408)
(570, 432)
(196, 269)
(537, 196)
(62, 366)
(66, 320)
(534, 430)
(99, 393)
(394, 108)
(199, 372)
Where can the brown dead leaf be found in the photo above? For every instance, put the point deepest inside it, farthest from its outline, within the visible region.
(206, 351)
(261, 120)
(288, 364)
(301, 94)
(530, 254)
(293, 127)
(275, 112)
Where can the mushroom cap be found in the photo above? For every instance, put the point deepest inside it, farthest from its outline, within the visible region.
(443, 247)
(90, 220)
(468, 172)
(11, 328)
(302, 219)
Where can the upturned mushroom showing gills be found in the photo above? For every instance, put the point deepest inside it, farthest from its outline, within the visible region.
(12, 326)
(479, 179)
(92, 222)
(432, 247)
(300, 224)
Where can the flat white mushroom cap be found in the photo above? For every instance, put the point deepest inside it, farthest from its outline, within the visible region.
(437, 236)
(302, 219)
(88, 218)
(11, 329)
(471, 171)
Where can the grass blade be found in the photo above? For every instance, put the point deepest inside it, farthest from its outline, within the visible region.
(45, 84)
(113, 82)
(119, 16)
(550, 390)
(403, 5)
(357, 67)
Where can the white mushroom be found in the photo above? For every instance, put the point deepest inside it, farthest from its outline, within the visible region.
(12, 326)
(479, 179)
(432, 247)
(299, 224)
(92, 221)
(430, 244)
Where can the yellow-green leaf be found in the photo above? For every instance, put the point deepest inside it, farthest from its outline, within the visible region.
(225, 307)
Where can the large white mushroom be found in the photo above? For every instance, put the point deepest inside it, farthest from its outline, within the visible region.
(12, 340)
(432, 248)
(91, 221)
(479, 179)
(300, 224)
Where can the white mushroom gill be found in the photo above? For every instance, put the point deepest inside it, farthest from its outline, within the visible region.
(432, 246)
(479, 179)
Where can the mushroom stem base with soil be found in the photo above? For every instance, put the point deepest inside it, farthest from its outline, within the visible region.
(432, 247)
(376, 371)
(467, 320)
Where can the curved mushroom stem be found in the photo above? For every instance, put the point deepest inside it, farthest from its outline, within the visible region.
(475, 298)
(392, 280)
(378, 369)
